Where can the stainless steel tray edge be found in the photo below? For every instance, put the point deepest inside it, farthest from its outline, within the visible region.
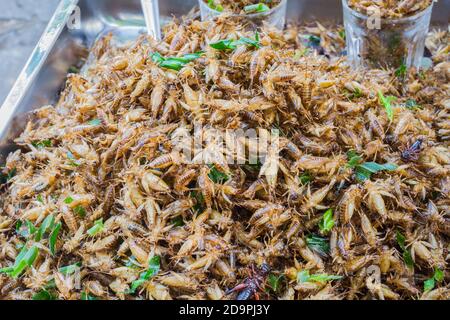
(34, 63)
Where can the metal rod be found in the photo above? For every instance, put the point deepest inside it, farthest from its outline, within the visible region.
(151, 14)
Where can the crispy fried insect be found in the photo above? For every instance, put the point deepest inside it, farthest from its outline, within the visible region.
(252, 284)
(306, 93)
(412, 153)
(165, 161)
(206, 186)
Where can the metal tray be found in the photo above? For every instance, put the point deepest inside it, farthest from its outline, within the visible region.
(59, 48)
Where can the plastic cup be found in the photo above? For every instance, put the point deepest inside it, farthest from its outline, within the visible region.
(376, 42)
(275, 17)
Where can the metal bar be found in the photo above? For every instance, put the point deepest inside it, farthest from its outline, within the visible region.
(151, 14)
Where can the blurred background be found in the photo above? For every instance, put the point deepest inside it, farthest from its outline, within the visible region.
(23, 21)
(21, 25)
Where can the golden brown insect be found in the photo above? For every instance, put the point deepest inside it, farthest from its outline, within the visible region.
(102, 244)
(141, 86)
(150, 181)
(75, 241)
(266, 210)
(165, 161)
(206, 186)
(179, 280)
(237, 55)
(177, 207)
(182, 180)
(375, 193)
(157, 98)
(178, 40)
(349, 203)
(306, 94)
(313, 200)
(293, 228)
(369, 231)
(375, 124)
(69, 219)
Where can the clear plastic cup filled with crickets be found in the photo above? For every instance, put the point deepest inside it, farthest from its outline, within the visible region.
(386, 34)
(257, 13)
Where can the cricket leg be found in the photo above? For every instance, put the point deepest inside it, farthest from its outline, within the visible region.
(239, 287)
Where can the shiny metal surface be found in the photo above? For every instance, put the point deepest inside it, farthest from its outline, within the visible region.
(151, 15)
(59, 48)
